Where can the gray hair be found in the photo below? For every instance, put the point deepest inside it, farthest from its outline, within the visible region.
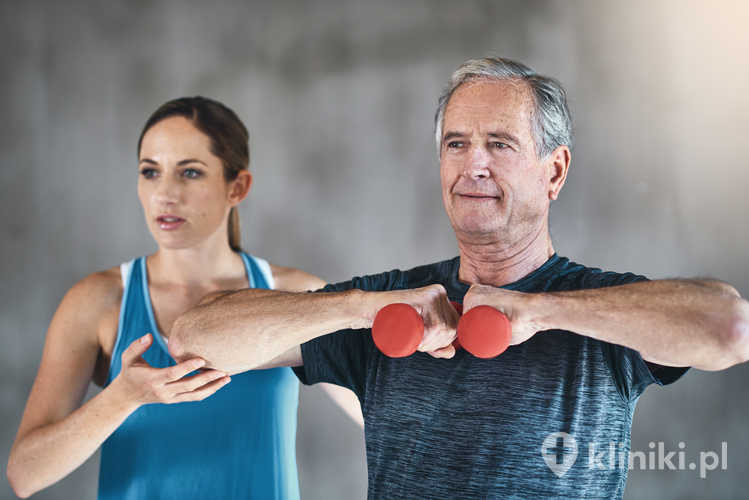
(551, 123)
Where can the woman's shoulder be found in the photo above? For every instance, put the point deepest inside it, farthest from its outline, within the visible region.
(89, 312)
(105, 284)
(290, 279)
(96, 294)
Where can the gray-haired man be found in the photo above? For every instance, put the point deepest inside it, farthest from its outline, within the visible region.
(585, 345)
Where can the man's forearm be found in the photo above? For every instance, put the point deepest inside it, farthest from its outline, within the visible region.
(697, 323)
(241, 330)
(246, 329)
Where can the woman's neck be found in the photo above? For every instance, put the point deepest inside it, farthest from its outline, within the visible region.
(202, 265)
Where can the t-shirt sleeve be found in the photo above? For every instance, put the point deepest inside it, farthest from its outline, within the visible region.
(341, 357)
(631, 373)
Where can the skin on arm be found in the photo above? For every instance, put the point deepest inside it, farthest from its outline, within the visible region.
(699, 323)
(295, 280)
(57, 434)
(251, 329)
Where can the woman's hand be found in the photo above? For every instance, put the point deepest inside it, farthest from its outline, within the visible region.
(140, 383)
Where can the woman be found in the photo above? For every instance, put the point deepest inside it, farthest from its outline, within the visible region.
(113, 326)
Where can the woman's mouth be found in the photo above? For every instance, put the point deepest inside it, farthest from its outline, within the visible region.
(169, 222)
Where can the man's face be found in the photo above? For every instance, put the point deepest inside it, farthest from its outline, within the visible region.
(493, 185)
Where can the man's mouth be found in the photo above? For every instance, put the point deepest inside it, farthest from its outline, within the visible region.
(478, 196)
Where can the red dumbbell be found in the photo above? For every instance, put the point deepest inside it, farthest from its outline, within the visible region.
(484, 332)
(398, 330)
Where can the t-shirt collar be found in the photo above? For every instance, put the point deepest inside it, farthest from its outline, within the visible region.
(456, 289)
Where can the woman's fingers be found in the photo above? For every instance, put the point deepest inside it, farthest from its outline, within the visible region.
(136, 349)
(176, 372)
(189, 384)
(202, 392)
(171, 384)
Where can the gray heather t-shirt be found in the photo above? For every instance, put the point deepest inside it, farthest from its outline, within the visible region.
(549, 418)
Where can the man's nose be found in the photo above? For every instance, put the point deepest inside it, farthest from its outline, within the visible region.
(477, 163)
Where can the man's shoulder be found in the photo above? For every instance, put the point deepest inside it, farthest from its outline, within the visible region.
(567, 274)
(398, 279)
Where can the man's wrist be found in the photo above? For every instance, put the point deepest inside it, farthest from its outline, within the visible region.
(543, 310)
(364, 305)
(361, 306)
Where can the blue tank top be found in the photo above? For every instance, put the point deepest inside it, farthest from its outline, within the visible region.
(238, 443)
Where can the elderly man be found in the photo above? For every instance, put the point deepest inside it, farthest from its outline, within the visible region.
(585, 343)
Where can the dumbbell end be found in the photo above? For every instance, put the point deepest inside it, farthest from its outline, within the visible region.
(484, 332)
(397, 330)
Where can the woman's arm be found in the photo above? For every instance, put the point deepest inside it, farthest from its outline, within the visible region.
(56, 434)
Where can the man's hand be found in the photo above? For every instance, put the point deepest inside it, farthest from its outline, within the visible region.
(440, 318)
(517, 306)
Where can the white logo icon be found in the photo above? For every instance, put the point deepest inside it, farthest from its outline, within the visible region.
(560, 452)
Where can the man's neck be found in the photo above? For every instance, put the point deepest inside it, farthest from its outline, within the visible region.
(499, 264)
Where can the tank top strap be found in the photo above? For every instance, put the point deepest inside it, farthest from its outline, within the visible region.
(131, 299)
(258, 271)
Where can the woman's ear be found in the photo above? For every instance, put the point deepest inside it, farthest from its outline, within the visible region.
(240, 187)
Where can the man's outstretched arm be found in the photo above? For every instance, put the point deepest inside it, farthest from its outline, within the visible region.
(699, 323)
(247, 329)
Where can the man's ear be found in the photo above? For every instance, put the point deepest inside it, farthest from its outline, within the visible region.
(240, 187)
(558, 164)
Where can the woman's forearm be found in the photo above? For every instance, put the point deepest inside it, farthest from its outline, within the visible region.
(50, 452)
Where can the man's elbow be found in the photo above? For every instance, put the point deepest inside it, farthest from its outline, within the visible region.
(21, 489)
(183, 338)
(718, 285)
(735, 339)
(740, 330)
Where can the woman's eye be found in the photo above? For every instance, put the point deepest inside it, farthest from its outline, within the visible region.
(148, 173)
(192, 173)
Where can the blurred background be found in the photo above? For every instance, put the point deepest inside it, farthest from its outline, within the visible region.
(339, 98)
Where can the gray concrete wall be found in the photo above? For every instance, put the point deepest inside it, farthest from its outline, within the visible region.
(339, 99)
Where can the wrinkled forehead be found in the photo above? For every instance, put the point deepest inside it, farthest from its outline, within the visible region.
(482, 105)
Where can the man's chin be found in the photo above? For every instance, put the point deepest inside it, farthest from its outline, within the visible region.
(477, 232)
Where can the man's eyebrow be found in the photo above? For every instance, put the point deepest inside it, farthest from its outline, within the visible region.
(504, 135)
(452, 135)
(496, 135)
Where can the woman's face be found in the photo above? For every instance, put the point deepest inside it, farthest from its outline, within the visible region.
(185, 197)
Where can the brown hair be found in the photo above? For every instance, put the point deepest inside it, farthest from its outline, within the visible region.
(228, 135)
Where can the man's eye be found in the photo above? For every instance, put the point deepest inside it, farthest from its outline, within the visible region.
(454, 144)
(192, 173)
(499, 145)
(148, 173)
